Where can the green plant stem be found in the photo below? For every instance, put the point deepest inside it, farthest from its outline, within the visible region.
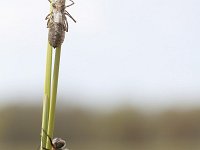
(53, 96)
(47, 91)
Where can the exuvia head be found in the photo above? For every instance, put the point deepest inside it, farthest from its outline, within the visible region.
(58, 5)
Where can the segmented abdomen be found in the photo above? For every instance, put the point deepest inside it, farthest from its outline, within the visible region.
(56, 34)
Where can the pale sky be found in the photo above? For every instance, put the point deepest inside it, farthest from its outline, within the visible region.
(147, 49)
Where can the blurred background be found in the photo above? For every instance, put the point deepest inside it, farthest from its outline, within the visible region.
(129, 75)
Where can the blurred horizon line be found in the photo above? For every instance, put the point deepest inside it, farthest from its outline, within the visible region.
(106, 103)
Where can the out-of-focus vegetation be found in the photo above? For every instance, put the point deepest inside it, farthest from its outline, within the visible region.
(120, 129)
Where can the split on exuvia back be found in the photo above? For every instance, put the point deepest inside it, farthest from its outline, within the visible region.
(57, 22)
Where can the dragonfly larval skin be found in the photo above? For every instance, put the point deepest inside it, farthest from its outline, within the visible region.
(57, 22)
(56, 143)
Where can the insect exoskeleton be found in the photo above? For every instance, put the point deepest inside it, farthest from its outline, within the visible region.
(57, 22)
(56, 143)
(59, 144)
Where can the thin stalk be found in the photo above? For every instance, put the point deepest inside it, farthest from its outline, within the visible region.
(47, 92)
(53, 96)
(46, 99)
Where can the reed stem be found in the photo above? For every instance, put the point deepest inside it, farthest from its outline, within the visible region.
(47, 93)
(53, 96)
(46, 99)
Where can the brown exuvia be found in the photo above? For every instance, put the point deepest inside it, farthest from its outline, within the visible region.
(57, 22)
(56, 143)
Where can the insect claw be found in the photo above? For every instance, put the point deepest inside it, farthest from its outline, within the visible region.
(68, 14)
(70, 4)
(47, 17)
